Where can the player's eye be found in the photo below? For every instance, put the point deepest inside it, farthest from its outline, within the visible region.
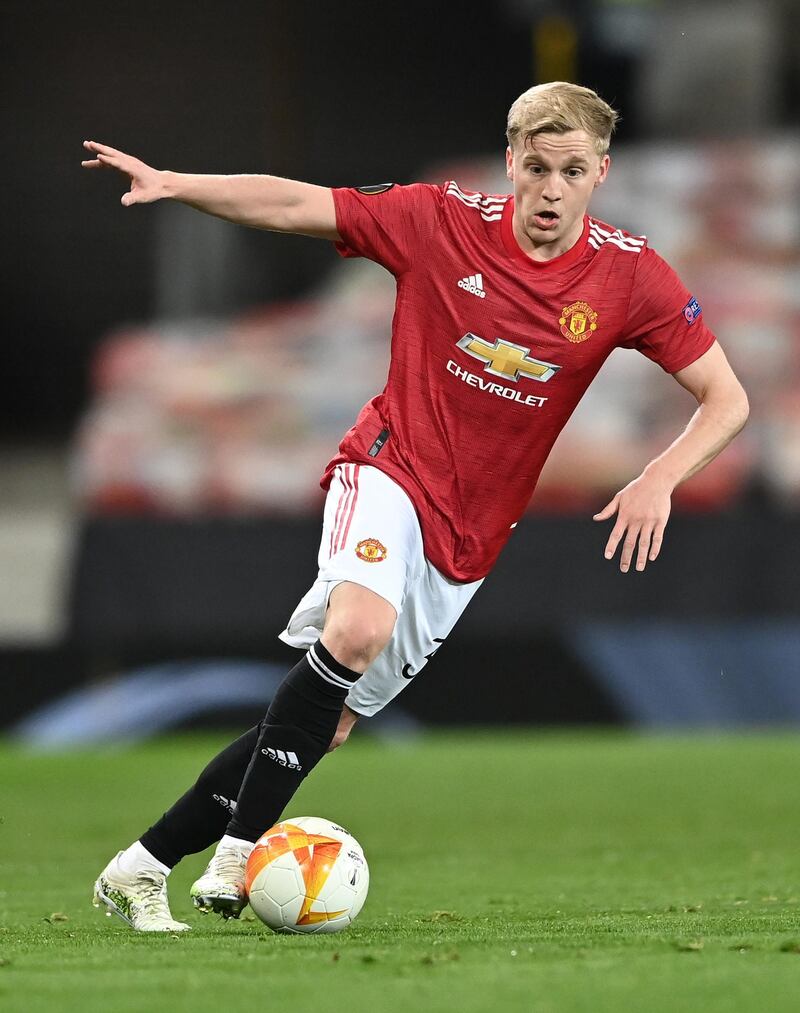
(537, 170)
(574, 172)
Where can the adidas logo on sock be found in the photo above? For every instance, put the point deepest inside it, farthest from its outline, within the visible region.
(474, 285)
(287, 759)
(226, 803)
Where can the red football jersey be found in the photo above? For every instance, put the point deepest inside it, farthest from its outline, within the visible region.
(491, 352)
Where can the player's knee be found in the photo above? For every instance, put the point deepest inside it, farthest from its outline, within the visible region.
(358, 626)
(356, 641)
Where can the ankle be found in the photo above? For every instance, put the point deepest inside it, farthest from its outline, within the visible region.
(137, 858)
(235, 843)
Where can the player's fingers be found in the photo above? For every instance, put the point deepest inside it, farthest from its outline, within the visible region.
(644, 547)
(627, 549)
(92, 163)
(613, 539)
(104, 149)
(655, 544)
(607, 511)
(114, 160)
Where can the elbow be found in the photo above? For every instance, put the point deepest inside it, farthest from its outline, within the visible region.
(730, 406)
(742, 409)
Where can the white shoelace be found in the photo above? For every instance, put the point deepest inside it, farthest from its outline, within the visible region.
(229, 863)
(152, 895)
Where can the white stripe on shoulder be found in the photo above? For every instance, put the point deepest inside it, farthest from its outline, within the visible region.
(476, 198)
(629, 241)
(636, 240)
(490, 208)
(598, 236)
(597, 242)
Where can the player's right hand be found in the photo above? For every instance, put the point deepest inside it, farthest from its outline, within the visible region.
(147, 184)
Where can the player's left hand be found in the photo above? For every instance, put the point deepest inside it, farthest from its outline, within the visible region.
(642, 510)
(346, 724)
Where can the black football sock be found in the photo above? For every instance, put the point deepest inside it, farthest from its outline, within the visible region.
(200, 816)
(295, 735)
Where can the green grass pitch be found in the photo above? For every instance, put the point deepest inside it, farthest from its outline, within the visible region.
(530, 871)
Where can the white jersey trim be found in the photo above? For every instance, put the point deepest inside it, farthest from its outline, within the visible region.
(490, 208)
(598, 236)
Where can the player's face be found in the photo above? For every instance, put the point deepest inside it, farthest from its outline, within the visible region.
(554, 175)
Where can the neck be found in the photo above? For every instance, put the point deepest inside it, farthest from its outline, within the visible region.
(547, 249)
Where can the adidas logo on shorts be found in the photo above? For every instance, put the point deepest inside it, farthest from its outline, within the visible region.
(474, 285)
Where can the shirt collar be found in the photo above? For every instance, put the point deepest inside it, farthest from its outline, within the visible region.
(516, 252)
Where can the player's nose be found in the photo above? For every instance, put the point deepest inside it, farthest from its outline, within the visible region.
(552, 189)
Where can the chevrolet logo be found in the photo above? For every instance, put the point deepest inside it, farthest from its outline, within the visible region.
(506, 359)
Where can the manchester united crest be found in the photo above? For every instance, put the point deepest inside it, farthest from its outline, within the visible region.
(578, 322)
(371, 551)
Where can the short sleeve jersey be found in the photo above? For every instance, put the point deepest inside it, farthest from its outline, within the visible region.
(491, 352)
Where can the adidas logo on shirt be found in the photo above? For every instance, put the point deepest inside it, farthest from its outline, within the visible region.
(473, 285)
(287, 759)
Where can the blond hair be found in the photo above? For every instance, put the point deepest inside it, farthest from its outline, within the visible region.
(558, 107)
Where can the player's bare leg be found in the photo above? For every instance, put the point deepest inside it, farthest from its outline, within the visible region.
(358, 625)
(302, 724)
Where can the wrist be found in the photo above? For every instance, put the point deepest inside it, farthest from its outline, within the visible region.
(169, 183)
(660, 473)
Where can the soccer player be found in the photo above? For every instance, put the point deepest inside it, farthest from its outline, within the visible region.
(507, 306)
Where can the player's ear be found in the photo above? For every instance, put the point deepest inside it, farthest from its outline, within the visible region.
(602, 172)
(510, 164)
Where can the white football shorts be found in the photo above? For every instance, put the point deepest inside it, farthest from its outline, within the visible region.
(371, 536)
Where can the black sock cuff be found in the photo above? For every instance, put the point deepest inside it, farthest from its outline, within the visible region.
(328, 668)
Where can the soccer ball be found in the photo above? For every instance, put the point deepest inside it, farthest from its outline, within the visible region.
(307, 875)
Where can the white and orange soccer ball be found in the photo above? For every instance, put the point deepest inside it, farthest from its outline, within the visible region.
(307, 875)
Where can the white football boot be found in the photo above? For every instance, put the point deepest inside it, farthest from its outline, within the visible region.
(221, 888)
(139, 899)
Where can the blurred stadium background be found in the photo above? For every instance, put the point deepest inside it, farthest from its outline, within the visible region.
(173, 385)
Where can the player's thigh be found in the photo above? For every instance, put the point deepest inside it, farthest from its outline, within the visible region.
(371, 539)
(348, 602)
(432, 608)
(358, 624)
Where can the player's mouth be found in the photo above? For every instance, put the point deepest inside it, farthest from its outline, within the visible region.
(546, 219)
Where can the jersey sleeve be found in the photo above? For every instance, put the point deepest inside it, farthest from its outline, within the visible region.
(664, 320)
(390, 226)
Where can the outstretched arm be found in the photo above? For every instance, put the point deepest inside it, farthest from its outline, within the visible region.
(263, 202)
(643, 506)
